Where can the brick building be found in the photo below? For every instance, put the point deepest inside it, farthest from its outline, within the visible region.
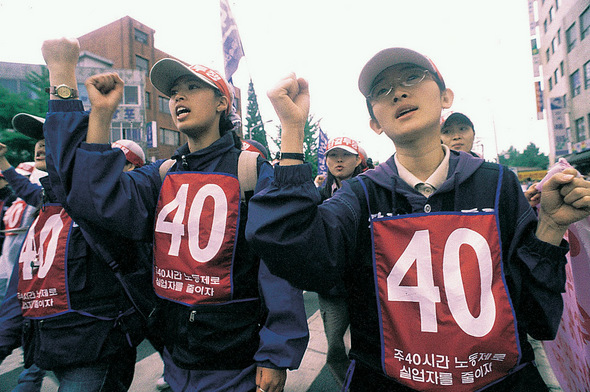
(125, 46)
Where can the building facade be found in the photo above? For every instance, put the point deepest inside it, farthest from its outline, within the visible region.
(125, 46)
(560, 37)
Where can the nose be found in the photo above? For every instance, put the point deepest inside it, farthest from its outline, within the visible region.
(397, 97)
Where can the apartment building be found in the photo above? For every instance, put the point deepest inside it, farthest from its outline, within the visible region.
(560, 36)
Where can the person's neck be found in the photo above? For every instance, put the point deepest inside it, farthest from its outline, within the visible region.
(203, 140)
(421, 159)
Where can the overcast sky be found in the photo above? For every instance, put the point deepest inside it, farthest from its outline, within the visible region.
(482, 49)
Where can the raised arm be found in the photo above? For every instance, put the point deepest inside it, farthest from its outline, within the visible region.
(290, 99)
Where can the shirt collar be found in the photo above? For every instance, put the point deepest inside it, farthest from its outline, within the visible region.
(435, 180)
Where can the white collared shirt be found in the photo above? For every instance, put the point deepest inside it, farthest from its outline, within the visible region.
(436, 179)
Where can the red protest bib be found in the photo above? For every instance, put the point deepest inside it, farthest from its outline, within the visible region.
(13, 216)
(195, 234)
(42, 286)
(446, 318)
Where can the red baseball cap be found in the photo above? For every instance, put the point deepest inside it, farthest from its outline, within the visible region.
(133, 152)
(166, 71)
(344, 143)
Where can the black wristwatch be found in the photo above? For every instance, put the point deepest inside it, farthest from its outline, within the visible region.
(291, 155)
(62, 91)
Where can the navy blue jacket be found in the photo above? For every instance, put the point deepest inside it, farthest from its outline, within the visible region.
(256, 326)
(321, 246)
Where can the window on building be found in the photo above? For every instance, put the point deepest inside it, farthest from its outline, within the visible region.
(570, 37)
(551, 14)
(555, 79)
(558, 37)
(585, 23)
(148, 100)
(169, 137)
(163, 104)
(576, 83)
(550, 83)
(548, 55)
(140, 36)
(561, 71)
(553, 46)
(545, 26)
(557, 4)
(142, 64)
(580, 129)
(587, 75)
(131, 95)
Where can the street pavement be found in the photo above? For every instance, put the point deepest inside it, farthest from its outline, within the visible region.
(312, 375)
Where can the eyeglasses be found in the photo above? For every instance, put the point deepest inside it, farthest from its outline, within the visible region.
(409, 78)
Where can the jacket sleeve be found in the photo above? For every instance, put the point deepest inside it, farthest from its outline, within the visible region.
(537, 270)
(10, 318)
(88, 179)
(284, 335)
(23, 188)
(300, 240)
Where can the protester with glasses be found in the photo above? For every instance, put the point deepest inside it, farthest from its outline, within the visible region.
(446, 267)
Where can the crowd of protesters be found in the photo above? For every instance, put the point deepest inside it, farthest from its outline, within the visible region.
(433, 260)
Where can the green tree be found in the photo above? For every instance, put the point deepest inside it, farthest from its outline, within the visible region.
(310, 142)
(254, 125)
(530, 157)
(20, 147)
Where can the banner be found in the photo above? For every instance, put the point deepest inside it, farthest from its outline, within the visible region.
(559, 129)
(539, 96)
(322, 146)
(151, 132)
(569, 353)
(232, 45)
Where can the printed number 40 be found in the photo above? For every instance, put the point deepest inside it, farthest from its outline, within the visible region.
(176, 227)
(427, 294)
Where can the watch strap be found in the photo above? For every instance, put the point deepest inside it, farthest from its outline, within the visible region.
(291, 155)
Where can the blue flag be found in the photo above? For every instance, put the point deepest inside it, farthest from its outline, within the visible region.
(232, 45)
(322, 147)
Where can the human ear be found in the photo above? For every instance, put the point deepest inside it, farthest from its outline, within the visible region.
(374, 124)
(223, 104)
(447, 98)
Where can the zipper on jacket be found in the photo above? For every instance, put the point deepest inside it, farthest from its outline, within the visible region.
(191, 318)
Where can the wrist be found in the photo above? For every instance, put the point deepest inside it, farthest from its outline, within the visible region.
(550, 233)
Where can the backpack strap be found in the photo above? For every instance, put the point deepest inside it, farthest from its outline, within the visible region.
(247, 172)
(165, 167)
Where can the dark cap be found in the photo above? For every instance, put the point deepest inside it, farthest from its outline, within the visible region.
(29, 125)
(390, 57)
(458, 118)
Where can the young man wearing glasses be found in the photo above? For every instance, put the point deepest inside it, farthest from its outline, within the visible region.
(445, 265)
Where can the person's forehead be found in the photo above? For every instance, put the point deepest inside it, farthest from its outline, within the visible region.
(393, 72)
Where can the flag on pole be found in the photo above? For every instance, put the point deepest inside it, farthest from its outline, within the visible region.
(232, 45)
(322, 147)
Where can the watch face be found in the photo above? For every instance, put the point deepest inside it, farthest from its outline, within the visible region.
(63, 92)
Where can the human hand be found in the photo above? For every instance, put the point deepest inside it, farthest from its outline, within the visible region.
(290, 99)
(61, 53)
(565, 200)
(105, 92)
(270, 380)
(533, 195)
(319, 180)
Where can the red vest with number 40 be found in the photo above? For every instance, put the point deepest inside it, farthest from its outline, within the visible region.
(447, 322)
